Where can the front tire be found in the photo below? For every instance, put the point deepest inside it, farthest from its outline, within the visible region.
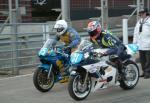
(130, 75)
(76, 89)
(40, 80)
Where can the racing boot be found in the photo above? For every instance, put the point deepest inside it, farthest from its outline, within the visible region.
(64, 77)
(61, 69)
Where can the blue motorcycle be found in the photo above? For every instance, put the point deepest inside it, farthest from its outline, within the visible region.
(54, 63)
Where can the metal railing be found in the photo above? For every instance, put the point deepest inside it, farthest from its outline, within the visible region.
(19, 49)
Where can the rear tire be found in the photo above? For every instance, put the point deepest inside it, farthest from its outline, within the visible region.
(130, 76)
(76, 91)
(41, 82)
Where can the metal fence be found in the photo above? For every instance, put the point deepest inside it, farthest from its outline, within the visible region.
(115, 7)
(24, 7)
(117, 4)
(19, 49)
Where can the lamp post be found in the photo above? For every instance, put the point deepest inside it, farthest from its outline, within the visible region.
(65, 9)
(104, 13)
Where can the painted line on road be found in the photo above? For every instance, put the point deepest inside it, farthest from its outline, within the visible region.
(16, 77)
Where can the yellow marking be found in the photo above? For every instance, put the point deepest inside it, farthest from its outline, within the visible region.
(65, 38)
(59, 64)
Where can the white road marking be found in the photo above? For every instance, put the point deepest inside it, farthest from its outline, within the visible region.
(7, 78)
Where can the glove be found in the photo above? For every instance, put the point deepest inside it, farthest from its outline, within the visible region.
(95, 54)
(67, 48)
(103, 54)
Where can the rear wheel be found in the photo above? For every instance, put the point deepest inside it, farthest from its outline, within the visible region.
(130, 76)
(77, 89)
(41, 80)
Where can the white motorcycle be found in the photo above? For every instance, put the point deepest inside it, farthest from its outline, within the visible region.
(90, 72)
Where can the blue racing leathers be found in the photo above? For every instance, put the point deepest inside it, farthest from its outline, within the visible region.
(71, 38)
(114, 45)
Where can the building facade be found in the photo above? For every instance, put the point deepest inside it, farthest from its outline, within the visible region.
(42, 10)
(25, 9)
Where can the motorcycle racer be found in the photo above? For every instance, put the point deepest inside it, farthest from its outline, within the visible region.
(104, 39)
(68, 35)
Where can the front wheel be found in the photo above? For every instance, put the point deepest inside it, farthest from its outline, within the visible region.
(41, 80)
(130, 76)
(77, 89)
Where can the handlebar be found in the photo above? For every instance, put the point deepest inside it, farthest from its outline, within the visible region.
(99, 54)
(62, 53)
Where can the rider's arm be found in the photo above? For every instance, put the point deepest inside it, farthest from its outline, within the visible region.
(113, 42)
(56, 38)
(74, 38)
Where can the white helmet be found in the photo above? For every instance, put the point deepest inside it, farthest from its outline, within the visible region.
(61, 26)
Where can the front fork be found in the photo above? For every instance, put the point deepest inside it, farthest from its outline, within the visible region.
(49, 72)
(86, 76)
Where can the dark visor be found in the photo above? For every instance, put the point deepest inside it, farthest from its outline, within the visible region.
(93, 33)
(60, 29)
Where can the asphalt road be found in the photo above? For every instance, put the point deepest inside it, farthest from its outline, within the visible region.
(21, 90)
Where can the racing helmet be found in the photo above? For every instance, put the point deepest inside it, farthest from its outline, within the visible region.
(94, 28)
(61, 26)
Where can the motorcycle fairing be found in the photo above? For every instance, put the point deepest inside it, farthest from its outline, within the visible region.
(132, 48)
(76, 57)
(44, 66)
(43, 51)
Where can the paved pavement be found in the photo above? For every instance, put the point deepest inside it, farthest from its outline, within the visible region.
(21, 90)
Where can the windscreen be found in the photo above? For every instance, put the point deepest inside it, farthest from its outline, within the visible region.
(49, 43)
(85, 45)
